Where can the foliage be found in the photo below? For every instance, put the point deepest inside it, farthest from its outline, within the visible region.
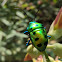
(14, 18)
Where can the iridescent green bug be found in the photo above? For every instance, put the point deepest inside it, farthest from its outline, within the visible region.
(38, 35)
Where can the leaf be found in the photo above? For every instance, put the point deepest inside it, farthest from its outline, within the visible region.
(2, 34)
(2, 58)
(33, 52)
(56, 48)
(11, 34)
(6, 22)
(8, 52)
(58, 20)
(24, 5)
(32, 7)
(2, 49)
(4, 2)
(27, 57)
(14, 33)
(55, 30)
(18, 49)
(20, 14)
(30, 15)
(55, 1)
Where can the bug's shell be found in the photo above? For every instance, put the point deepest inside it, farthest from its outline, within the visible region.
(34, 25)
(38, 35)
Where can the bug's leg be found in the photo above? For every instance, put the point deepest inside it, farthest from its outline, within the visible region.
(44, 27)
(48, 36)
(28, 43)
(25, 32)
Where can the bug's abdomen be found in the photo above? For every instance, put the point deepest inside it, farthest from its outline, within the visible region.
(39, 39)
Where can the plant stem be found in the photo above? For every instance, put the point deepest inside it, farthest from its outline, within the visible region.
(45, 57)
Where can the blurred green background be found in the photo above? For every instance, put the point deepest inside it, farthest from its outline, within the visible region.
(14, 18)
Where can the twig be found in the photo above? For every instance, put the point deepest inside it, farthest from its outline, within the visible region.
(45, 57)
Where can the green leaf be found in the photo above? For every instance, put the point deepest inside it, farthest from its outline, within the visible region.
(18, 49)
(56, 48)
(30, 15)
(14, 33)
(32, 7)
(8, 52)
(24, 5)
(2, 49)
(20, 14)
(6, 22)
(2, 58)
(55, 1)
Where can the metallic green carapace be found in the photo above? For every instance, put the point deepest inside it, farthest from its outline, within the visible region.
(38, 35)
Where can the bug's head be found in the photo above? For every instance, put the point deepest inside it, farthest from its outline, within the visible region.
(34, 25)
